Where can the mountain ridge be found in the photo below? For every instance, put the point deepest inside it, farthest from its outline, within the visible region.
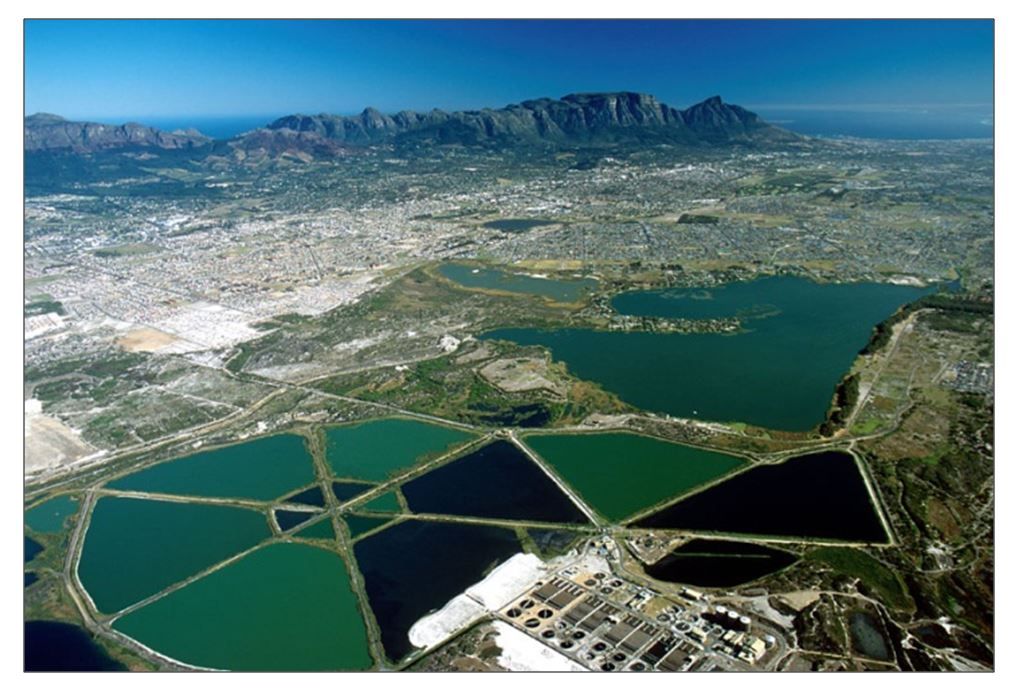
(578, 119)
(48, 132)
(574, 118)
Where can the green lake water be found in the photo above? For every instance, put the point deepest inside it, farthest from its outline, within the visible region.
(359, 525)
(563, 291)
(284, 607)
(800, 338)
(618, 474)
(375, 450)
(383, 503)
(321, 529)
(136, 548)
(49, 516)
(261, 469)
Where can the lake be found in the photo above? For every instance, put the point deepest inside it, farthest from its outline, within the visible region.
(818, 495)
(867, 638)
(49, 516)
(618, 474)
(799, 339)
(284, 607)
(559, 290)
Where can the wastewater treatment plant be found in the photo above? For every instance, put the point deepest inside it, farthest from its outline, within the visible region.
(580, 383)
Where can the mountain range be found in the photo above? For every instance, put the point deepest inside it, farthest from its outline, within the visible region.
(573, 120)
(44, 131)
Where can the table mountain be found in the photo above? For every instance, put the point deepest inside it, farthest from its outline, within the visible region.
(576, 119)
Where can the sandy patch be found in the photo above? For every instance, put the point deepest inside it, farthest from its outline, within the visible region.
(798, 600)
(145, 339)
(521, 652)
(521, 375)
(49, 444)
(480, 351)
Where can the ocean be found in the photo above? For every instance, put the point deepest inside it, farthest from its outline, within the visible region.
(890, 123)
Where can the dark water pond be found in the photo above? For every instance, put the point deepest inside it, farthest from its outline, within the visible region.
(59, 646)
(711, 563)
(415, 567)
(522, 416)
(867, 637)
(516, 225)
(288, 520)
(312, 496)
(497, 481)
(30, 578)
(345, 490)
(32, 549)
(818, 495)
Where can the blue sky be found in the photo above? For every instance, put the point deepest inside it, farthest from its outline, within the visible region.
(110, 69)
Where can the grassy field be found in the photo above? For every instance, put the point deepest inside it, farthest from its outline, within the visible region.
(882, 582)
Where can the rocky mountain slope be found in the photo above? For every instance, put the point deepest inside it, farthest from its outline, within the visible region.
(46, 132)
(573, 119)
(576, 120)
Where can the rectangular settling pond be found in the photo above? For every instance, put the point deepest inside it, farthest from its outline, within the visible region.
(136, 548)
(261, 469)
(415, 567)
(619, 474)
(284, 607)
(497, 481)
(818, 495)
(719, 564)
(377, 449)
